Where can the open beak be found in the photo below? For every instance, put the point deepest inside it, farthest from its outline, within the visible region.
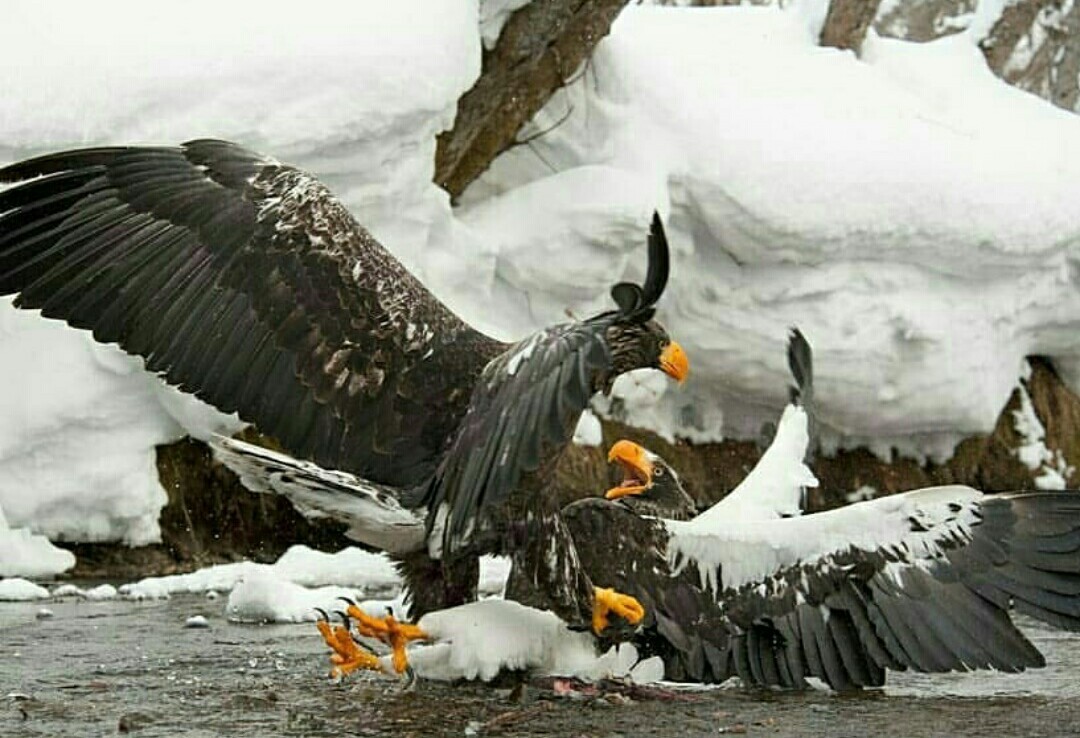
(674, 363)
(636, 467)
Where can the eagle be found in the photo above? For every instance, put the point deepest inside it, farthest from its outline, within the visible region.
(923, 580)
(245, 282)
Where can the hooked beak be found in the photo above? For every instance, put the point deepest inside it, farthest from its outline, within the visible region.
(674, 363)
(635, 465)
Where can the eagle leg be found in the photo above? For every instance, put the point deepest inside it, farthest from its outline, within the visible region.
(348, 656)
(607, 601)
(391, 632)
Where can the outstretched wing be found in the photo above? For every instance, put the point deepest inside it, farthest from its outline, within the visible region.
(523, 409)
(922, 580)
(247, 283)
(372, 512)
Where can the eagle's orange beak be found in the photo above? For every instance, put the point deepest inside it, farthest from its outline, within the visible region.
(674, 363)
(635, 464)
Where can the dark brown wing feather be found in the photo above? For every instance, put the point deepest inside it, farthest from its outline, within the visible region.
(523, 411)
(245, 282)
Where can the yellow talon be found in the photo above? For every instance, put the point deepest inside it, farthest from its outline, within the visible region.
(391, 632)
(608, 600)
(347, 656)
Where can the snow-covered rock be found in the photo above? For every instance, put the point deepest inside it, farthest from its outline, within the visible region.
(17, 589)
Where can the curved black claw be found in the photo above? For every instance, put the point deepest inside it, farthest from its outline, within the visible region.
(344, 618)
(322, 612)
(362, 644)
(409, 679)
(349, 600)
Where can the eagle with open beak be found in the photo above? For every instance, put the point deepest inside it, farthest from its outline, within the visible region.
(245, 282)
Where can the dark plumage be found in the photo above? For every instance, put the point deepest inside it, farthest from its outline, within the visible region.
(816, 596)
(923, 580)
(246, 283)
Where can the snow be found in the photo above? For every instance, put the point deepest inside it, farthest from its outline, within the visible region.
(26, 554)
(264, 598)
(353, 91)
(493, 16)
(350, 568)
(101, 592)
(898, 208)
(910, 212)
(17, 589)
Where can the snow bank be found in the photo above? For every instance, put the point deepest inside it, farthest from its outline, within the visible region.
(353, 568)
(353, 91)
(25, 554)
(17, 589)
(299, 565)
(264, 598)
(910, 212)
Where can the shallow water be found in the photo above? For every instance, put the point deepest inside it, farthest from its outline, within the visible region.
(101, 668)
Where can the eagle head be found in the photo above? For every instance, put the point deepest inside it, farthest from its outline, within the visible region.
(638, 341)
(645, 344)
(650, 486)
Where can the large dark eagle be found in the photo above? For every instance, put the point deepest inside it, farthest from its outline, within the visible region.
(246, 283)
(923, 580)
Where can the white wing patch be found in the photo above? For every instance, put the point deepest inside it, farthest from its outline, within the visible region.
(774, 487)
(909, 526)
(373, 514)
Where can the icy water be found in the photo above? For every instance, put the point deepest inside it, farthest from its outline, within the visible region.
(110, 668)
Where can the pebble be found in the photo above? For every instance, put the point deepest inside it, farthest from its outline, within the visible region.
(44, 614)
(197, 621)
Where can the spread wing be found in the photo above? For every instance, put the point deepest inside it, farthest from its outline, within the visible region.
(922, 580)
(248, 284)
(523, 409)
(372, 512)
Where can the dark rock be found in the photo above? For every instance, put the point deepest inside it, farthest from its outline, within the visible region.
(132, 721)
(210, 518)
(846, 23)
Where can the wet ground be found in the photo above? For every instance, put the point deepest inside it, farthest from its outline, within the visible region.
(105, 668)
